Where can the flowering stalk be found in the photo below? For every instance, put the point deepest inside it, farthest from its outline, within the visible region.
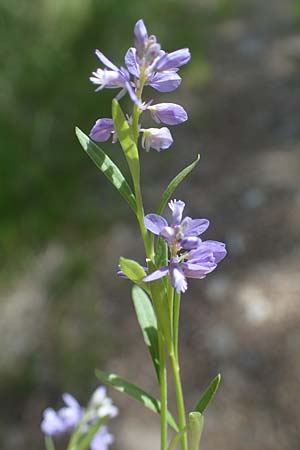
(174, 251)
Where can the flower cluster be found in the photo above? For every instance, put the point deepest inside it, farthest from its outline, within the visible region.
(149, 65)
(190, 257)
(73, 415)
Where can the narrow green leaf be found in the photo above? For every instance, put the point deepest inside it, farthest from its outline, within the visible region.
(132, 269)
(126, 139)
(148, 323)
(196, 422)
(208, 394)
(134, 391)
(173, 185)
(107, 167)
(49, 443)
(177, 437)
(86, 438)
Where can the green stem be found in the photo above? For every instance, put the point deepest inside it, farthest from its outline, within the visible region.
(179, 398)
(176, 323)
(163, 393)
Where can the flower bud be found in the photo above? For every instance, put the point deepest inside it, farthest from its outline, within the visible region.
(168, 113)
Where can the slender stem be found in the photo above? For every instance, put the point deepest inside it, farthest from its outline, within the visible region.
(163, 394)
(171, 305)
(176, 323)
(179, 398)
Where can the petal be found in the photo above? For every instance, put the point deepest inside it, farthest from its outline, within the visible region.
(132, 94)
(140, 35)
(168, 113)
(177, 207)
(155, 223)
(196, 227)
(168, 233)
(173, 60)
(102, 130)
(105, 61)
(71, 401)
(190, 243)
(178, 279)
(160, 273)
(209, 250)
(164, 82)
(218, 249)
(52, 424)
(131, 62)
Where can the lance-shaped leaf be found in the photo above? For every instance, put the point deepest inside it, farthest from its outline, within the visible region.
(148, 323)
(132, 269)
(173, 185)
(195, 427)
(208, 394)
(126, 139)
(107, 167)
(134, 391)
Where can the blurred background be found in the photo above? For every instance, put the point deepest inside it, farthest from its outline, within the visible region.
(63, 312)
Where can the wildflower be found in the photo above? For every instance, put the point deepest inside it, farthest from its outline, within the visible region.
(113, 78)
(66, 419)
(195, 264)
(168, 113)
(156, 138)
(102, 130)
(181, 234)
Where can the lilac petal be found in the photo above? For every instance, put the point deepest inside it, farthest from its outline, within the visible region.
(209, 249)
(102, 439)
(157, 138)
(52, 424)
(164, 82)
(177, 207)
(70, 401)
(155, 223)
(178, 279)
(140, 35)
(168, 113)
(190, 243)
(173, 60)
(105, 61)
(218, 249)
(196, 227)
(131, 62)
(102, 130)
(132, 94)
(160, 273)
(168, 233)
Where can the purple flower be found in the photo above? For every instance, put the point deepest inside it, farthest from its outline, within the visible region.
(181, 234)
(112, 77)
(168, 113)
(102, 130)
(101, 404)
(157, 138)
(196, 264)
(102, 439)
(65, 419)
(174, 60)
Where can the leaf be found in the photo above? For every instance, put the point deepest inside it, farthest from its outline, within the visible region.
(208, 394)
(85, 439)
(107, 167)
(126, 139)
(148, 323)
(173, 185)
(196, 421)
(133, 270)
(134, 391)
